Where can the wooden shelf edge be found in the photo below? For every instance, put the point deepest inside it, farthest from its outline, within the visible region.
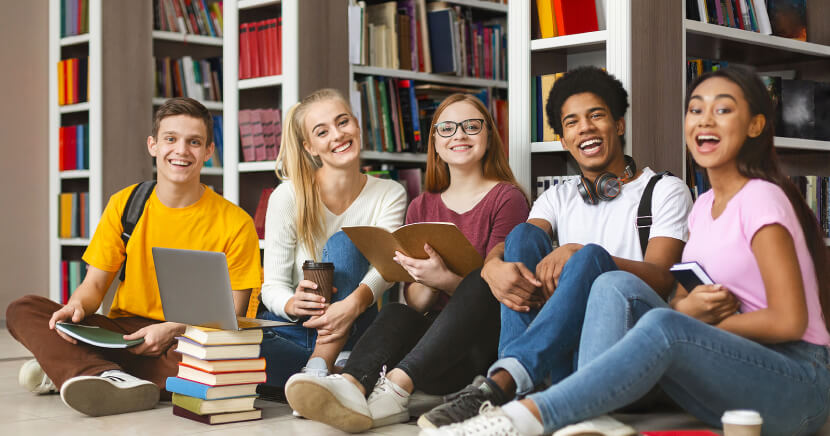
(801, 144)
(429, 77)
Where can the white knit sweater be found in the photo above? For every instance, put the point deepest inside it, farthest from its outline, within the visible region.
(381, 203)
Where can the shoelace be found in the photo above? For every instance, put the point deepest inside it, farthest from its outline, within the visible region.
(381, 383)
(486, 420)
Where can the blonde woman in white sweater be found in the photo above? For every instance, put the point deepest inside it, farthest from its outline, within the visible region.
(322, 190)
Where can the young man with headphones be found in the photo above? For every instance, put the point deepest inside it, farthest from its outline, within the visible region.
(542, 290)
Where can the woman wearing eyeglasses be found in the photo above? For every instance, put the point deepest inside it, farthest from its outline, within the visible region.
(468, 183)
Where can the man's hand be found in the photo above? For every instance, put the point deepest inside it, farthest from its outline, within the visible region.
(68, 313)
(512, 284)
(335, 323)
(157, 338)
(708, 303)
(550, 267)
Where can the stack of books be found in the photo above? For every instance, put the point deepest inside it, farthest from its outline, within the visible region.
(218, 375)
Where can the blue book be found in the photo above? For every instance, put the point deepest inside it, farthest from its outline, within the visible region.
(442, 42)
(80, 148)
(206, 392)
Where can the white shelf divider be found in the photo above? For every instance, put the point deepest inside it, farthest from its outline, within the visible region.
(546, 147)
(71, 108)
(478, 4)
(249, 4)
(801, 144)
(590, 40)
(427, 77)
(188, 38)
(211, 105)
(74, 40)
(393, 156)
(254, 167)
(74, 174)
(74, 242)
(260, 82)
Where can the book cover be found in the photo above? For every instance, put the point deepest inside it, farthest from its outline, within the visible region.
(690, 275)
(386, 116)
(220, 378)
(244, 54)
(378, 245)
(547, 23)
(205, 407)
(261, 210)
(211, 352)
(788, 18)
(575, 16)
(263, 47)
(207, 392)
(219, 418)
(94, 335)
(441, 41)
(547, 85)
(257, 134)
(246, 135)
(209, 336)
(226, 365)
(762, 15)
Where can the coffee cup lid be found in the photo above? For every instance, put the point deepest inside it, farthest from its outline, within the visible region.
(310, 264)
(742, 417)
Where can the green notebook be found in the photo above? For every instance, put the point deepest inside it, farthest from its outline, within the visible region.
(97, 336)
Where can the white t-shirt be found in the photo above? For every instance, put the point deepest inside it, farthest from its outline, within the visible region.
(381, 203)
(612, 224)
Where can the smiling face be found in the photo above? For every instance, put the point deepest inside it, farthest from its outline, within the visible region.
(180, 149)
(332, 133)
(462, 149)
(591, 135)
(718, 122)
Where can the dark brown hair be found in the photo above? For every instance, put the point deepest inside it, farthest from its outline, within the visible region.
(184, 106)
(757, 160)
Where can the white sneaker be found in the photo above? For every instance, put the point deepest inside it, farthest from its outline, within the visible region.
(332, 400)
(388, 402)
(33, 379)
(491, 421)
(110, 393)
(604, 425)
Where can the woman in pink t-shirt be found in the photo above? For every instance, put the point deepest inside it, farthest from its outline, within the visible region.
(757, 339)
(435, 343)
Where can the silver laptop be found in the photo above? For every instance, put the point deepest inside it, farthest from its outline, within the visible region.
(195, 289)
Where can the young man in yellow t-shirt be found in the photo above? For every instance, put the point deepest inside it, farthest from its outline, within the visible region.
(180, 213)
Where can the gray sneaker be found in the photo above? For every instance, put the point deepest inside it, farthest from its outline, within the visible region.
(110, 393)
(32, 378)
(464, 404)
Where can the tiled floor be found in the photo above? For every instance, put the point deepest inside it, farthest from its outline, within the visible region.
(24, 413)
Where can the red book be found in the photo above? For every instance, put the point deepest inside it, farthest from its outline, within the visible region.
(501, 123)
(261, 209)
(61, 148)
(244, 56)
(575, 16)
(279, 45)
(258, 136)
(253, 50)
(739, 16)
(273, 38)
(70, 151)
(276, 122)
(264, 45)
(488, 53)
(268, 133)
(64, 281)
(246, 135)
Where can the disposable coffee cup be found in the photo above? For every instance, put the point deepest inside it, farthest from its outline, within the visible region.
(741, 423)
(321, 273)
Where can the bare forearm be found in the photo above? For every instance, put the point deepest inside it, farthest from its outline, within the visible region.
(657, 277)
(764, 326)
(86, 297)
(362, 297)
(240, 301)
(496, 252)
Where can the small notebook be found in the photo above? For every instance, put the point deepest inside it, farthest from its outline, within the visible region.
(93, 335)
(691, 275)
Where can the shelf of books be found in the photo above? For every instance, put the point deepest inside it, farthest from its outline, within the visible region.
(548, 38)
(188, 38)
(405, 58)
(74, 137)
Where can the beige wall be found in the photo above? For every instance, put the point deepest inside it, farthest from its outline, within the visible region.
(24, 185)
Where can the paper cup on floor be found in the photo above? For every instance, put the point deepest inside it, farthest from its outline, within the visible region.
(741, 423)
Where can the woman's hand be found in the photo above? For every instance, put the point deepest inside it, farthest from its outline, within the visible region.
(432, 272)
(708, 303)
(157, 338)
(305, 302)
(336, 321)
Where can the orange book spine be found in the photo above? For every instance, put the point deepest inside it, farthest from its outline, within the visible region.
(62, 83)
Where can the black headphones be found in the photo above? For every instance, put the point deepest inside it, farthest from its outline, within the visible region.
(607, 186)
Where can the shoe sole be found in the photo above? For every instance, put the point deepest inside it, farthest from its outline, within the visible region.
(391, 419)
(425, 423)
(97, 397)
(317, 403)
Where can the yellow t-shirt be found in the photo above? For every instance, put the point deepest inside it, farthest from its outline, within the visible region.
(210, 224)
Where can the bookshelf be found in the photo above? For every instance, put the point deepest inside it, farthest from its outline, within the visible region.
(117, 156)
(303, 70)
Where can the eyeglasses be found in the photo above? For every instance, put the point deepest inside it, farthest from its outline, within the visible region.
(447, 129)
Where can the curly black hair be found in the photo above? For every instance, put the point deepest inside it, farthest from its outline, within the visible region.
(586, 79)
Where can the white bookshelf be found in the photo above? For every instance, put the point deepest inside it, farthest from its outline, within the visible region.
(546, 147)
(187, 38)
(72, 108)
(427, 77)
(67, 41)
(571, 43)
(255, 167)
(210, 105)
(260, 82)
(393, 157)
(801, 144)
(74, 174)
(74, 242)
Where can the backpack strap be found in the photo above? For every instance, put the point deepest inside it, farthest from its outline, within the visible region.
(132, 213)
(644, 217)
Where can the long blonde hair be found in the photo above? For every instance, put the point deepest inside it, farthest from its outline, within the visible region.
(494, 164)
(295, 163)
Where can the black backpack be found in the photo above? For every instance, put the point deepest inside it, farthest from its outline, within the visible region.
(132, 213)
(644, 217)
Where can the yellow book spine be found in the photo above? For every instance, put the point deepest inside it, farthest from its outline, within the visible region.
(70, 81)
(65, 215)
(62, 83)
(545, 11)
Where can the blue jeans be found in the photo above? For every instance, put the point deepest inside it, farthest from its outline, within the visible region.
(286, 349)
(542, 343)
(704, 369)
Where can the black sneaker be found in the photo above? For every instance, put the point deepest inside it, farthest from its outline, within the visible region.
(463, 404)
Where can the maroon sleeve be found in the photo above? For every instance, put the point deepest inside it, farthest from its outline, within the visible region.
(414, 213)
(511, 210)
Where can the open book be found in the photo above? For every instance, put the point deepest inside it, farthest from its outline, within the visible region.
(94, 335)
(379, 246)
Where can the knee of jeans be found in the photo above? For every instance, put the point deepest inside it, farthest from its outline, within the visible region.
(341, 246)
(615, 283)
(522, 233)
(663, 320)
(591, 252)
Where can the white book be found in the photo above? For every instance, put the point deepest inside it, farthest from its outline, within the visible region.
(764, 25)
(355, 34)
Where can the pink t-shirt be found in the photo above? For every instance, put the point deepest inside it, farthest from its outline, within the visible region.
(723, 247)
(485, 225)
